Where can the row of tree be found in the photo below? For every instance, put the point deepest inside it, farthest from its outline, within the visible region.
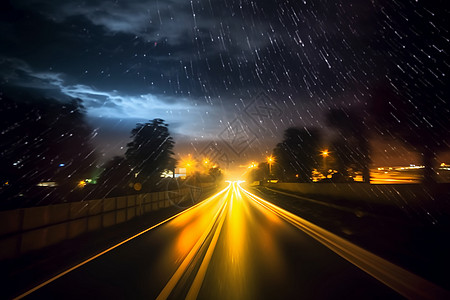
(148, 154)
(43, 140)
(423, 124)
(301, 151)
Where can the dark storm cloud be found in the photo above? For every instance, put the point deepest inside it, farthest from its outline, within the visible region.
(173, 47)
(193, 48)
(105, 104)
(201, 62)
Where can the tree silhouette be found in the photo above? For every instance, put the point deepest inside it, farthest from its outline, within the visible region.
(420, 119)
(351, 149)
(259, 173)
(411, 103)
(115, 178)
(43, 140)
(297, 155)
(150, 152)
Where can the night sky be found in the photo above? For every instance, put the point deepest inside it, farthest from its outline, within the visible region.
(218, 69)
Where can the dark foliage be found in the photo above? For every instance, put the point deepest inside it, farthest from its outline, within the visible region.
(150, 151)
(42, 140)
(351, 149)
(259, 173)
(297, 155)
(411, 103)
(421, 121)
(115, 178)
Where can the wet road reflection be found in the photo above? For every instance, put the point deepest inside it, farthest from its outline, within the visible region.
(235, 245)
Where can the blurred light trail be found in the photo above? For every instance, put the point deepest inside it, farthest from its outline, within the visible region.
(236, 245)
(117, 245)
(405, 283)
(235, 205)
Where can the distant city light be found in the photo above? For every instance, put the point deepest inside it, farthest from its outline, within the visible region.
(81, 184)
(180, 173)
(252, 165)
(137, 186)
(167, 174)
(47, 184)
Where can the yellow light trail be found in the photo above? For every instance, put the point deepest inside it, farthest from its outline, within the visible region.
(121, 243)
(402, 281)
(191, 255)
(225, 219)
(231, 208)
(397, 278)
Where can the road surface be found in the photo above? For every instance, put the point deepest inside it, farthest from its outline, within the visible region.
(235, 245)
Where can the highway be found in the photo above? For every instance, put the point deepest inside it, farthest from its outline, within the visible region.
(235, 245)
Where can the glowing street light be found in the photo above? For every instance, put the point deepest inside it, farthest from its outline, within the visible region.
(270, 161)
(325, 153)
(188, 163)
(252, 165)
(81, 184)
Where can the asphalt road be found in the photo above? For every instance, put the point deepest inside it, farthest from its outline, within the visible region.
(235, 245)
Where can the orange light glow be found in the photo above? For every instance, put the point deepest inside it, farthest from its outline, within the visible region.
(252, 165)
(188, 163)
(82, 184)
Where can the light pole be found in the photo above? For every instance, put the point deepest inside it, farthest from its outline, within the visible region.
(325, 154)
(189, 164)
(270, 161)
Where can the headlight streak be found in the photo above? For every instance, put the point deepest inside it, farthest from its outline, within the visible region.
(229, 223)
(232, 210)
(200, 276)
(402, 281)
(121, 243)
(236, 271)
(196, 285)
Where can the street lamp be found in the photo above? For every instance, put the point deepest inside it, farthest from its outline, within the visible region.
(270, 161)
(188, 163)
(325, 153)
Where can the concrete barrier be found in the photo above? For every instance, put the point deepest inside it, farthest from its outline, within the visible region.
(389, 194)
(121, 216)
(94, 222)
(9, 246)
(28, 229)
(78, 210)
(11, 221)
(77, 227)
